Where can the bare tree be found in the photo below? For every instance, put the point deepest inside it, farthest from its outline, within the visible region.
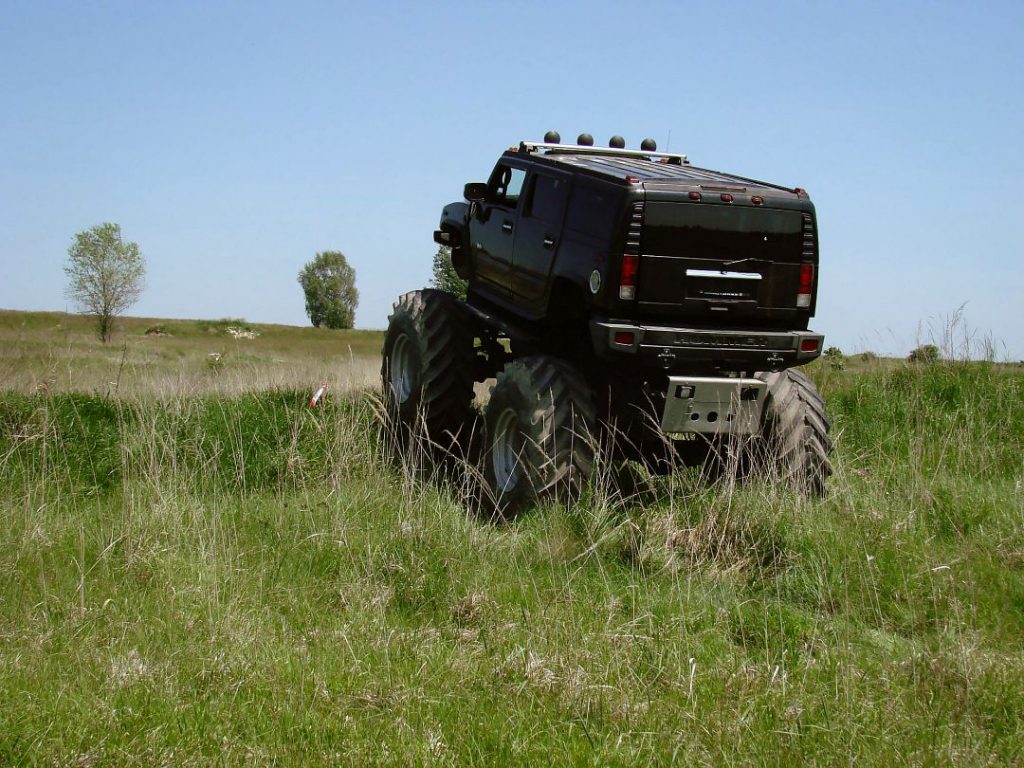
(105, 275)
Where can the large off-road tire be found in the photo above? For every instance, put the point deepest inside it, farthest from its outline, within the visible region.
(538, 426)
(427, 368)
(794, 446)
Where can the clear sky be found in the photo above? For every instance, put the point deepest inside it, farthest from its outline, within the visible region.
(233, 141)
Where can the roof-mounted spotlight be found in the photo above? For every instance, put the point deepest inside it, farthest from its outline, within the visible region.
(649, 145)
(585, 140)
(552, 137)
(617, 142)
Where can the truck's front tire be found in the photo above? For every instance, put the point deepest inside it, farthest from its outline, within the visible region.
(427, 367)
(538, 421)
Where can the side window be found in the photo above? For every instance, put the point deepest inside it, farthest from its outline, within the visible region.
(594, 211)
(547, 198)
(505, 185)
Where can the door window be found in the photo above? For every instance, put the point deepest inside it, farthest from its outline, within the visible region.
(505, 186)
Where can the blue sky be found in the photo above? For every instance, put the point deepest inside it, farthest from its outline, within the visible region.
(234, 141)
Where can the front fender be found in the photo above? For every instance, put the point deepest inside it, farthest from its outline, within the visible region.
(453, 232)
(455, 216)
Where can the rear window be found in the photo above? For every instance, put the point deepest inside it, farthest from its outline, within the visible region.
(547, 198)
(722, 232)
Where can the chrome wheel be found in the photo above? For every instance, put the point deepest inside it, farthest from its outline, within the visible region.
(506, 450)
(400, 367)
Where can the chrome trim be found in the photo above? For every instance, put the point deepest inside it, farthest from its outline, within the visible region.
(576, 149)
(723, 273)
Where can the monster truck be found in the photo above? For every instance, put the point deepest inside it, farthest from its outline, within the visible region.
(623, 299)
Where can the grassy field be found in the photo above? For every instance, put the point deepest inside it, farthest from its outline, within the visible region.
(196, 567)
(57, 352)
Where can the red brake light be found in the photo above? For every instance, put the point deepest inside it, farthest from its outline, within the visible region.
(809, 345)
(627, 276)
(624, 337)
(803, 296)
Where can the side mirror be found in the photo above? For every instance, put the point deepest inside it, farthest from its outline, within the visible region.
(475, 192)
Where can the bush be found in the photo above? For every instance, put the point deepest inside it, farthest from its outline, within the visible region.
(926, 353)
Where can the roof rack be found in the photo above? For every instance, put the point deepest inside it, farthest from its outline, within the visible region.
(578, 149)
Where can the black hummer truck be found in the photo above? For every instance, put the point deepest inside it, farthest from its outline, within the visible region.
(625, 299)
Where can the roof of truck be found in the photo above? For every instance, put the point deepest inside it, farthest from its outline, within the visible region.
(656, 167)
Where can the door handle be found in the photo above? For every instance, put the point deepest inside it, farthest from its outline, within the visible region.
(549, 242)
(506, 227)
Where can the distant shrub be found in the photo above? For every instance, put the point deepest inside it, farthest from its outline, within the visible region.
(157, 330)
(926, 353)
(221, 326)
(834, 358)
(215, 362)
(868, 356)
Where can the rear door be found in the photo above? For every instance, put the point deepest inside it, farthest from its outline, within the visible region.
(539, 235)
(727, 264)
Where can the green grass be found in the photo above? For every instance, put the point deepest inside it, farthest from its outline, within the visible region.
(226, 575)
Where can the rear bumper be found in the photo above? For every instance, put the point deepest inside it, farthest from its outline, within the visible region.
(670, 348)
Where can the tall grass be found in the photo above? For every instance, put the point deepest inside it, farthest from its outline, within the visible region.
(238, 578)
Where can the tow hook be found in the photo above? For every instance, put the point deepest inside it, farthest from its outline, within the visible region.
(774, 361)
(667, 357)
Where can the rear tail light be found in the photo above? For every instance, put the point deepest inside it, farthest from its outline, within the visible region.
(624, 337)
(803, 296)
(809, 345)
(627, 276)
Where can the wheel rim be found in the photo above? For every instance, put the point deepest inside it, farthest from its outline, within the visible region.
(505, 450)
(400, 368)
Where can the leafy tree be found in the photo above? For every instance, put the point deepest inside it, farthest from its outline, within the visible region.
(330, 287)
(445, 277)
(105, 275)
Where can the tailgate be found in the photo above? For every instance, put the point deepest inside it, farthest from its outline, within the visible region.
(723, 263)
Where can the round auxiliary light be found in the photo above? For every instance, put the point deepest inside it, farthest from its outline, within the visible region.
(649, 145)
(617, 142)
(585, 140)
(726, 197)
(552, 137)
(695, 195)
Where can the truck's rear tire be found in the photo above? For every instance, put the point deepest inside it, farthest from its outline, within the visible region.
(427, 368)
(794, 446)
(538, 425)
